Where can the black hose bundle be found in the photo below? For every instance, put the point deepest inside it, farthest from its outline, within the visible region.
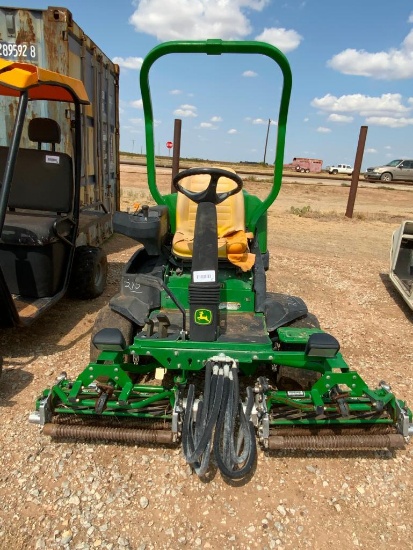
(221, 410)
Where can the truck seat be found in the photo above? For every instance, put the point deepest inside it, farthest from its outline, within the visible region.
(35, 240)
(41, 191)
(232, 238)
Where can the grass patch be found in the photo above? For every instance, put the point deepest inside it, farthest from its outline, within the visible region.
(253, 179)
(301, 212)
(333, 215)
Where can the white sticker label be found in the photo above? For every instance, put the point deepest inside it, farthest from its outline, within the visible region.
(296, 394)
(18, 51)
(52, 159)
(206, 276)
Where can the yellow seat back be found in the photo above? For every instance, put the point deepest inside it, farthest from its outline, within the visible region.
(230, 213)
(232, 239)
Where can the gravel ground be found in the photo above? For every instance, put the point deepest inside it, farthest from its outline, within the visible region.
(87, 496)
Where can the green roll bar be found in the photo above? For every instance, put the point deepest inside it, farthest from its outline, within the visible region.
(217, 47)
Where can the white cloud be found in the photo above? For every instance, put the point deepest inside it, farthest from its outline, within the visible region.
(259, 121)
(232, 131)
(394, 64)
(208, 126)
(283, 39)
(249, 74)
(186, 111)
(137, 104)
(128, 62)
(323, 130)
(384, 105)
(339, 118)
(371, 150)
(216, 119)
(390, 122)
(195, 19)
(175, 92)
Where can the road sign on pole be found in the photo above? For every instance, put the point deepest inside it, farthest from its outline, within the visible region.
(169, 144)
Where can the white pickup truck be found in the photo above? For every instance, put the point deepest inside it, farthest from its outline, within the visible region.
(341, 169)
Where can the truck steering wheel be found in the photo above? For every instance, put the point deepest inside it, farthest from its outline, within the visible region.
(210, 193)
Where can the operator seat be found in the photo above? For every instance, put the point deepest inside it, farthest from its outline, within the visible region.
(232, 238)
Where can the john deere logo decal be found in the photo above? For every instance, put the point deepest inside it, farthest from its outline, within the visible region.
(203, 317)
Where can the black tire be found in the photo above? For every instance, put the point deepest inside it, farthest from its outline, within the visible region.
(307, 171)
(297, 168)
(294, 379)
(89, 273)
(386, 177)
(107, 318)
(308, 321)
(335, 172)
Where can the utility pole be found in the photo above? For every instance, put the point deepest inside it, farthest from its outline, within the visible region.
(266, 139)
(177, 150)
(356, 171)
(133, 146)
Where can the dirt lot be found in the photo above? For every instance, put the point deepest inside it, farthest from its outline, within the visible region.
(86, 496)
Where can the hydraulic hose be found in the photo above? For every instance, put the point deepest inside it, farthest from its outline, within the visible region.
(221, 410)
(230, 461)
(197, 435)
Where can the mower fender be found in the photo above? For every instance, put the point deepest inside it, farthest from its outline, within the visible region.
(282, 309)
(130, 307)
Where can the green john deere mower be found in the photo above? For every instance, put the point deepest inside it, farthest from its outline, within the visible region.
(194, 350)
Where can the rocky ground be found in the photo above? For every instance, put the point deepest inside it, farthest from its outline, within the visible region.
(87, 496)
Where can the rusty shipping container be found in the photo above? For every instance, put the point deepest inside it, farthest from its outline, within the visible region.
(52, 40)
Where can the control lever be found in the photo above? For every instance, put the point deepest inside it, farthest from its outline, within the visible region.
(145, 211)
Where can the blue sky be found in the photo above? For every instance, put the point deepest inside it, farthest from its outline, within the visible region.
(352, 65)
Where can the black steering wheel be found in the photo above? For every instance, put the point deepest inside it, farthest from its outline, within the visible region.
(210, 193)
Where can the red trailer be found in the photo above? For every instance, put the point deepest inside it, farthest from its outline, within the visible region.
(306, 165)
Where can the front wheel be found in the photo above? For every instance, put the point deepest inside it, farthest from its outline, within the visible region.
(386, 177)
(335, 172)
(89, 273)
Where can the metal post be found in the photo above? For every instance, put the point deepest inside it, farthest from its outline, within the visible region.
(176, 150)
(266, 139)
(356, 171)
